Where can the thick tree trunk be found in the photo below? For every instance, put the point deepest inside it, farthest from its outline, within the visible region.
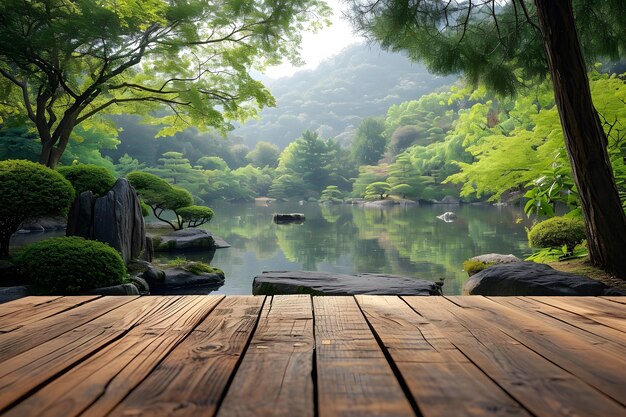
(585, 139)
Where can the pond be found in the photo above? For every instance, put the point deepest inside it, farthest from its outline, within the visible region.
(409, 241)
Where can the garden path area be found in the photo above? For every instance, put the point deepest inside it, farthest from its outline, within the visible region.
(313, 356)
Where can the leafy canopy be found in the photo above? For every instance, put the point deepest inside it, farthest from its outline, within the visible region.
(63, 62)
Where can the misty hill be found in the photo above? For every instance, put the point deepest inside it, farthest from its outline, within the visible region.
(360, 81)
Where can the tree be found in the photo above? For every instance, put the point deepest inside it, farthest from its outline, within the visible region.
(264, 154)
(161, 196)
(309, 157)
(28, 189)
(502, 44)
(369, 142)
(212, 163)
(64, 62)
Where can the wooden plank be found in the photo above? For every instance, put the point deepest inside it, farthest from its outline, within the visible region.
(615, 299)
(595, 360)
(24, 317)
(441, 379)
(25, 303)
(602, 311)
(538, 384)
(35, 334)
(97, 384)
(274, 378)
(353, 375)
(22, 373)
(541, 309)
(192, 379)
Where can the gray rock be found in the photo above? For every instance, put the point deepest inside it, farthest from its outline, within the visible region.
(496, 258)
(114, 218)
(154, 275)
(31, 226)
(12, 293)
(190, 238)
(447, 217)
(172, 278)
(324, 283)
(288, 218)
(532, 279)
(122, 289)
(141, 284)
(450, 200)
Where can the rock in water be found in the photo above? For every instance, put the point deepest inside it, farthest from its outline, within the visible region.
(447, 217)
(324, 283)
(114, 218)
(190, 238)
(288, 217)
(496, 258)
(531, 279)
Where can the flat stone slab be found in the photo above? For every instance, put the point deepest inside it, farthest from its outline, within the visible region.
(325, 283)
(532, 279)
(190, 238)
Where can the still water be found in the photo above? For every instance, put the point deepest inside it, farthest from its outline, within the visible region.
(409, 241)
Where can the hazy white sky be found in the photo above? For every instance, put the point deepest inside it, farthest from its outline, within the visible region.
(321, 45)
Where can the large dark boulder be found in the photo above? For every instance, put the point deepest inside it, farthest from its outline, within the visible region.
(114, 218)
(324, 283)
(530, 278)
(186, 239)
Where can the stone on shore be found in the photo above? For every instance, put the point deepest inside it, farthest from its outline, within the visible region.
(161, 280)
(188, 239)
(532, 279)
(325, 283)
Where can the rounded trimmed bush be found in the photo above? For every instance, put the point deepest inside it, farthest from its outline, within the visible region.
(88, 177)
(557, 232)
(28, 189)
(155, 191)
(195, 215)
(70, 265)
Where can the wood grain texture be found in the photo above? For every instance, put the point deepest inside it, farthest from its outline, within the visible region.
(353, 375)
(538, 384)
(441, 379)
(602, 311)
(543, 307)
(25, 372)
(274, 377)
(192, 379)
(35, 334)
(25, 303)
(592, 359)
(96, 385)
(25, 316)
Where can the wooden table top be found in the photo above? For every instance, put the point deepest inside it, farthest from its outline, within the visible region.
(308, 356)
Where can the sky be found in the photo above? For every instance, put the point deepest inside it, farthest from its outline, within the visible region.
(321, 45)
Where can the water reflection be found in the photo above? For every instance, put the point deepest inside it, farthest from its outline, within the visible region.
(407, 241)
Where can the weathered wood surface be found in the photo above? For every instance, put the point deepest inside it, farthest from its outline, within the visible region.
(310, 357)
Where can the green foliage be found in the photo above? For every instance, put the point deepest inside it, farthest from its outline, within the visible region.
(194, 216)
(127, 164)
(557, 232)
(28, 189)
(377, 190)
(197, 268)
(472, 266)
(84, 177)
(331, 193)
(90, 58)
(70, 265)
(264, 154)
(546, 255)
(160, 196)
(369, 142)
(212, 163)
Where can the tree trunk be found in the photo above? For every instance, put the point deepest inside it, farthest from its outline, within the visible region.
(585, 139)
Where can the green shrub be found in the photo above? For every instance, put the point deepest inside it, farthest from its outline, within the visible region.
(70, 265)
(557, 232)
(194, 216)
(87, 177)
(473, 267)
(28, 189)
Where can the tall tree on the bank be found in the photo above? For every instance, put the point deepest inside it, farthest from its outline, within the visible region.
(62, 62)
(504, 43)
